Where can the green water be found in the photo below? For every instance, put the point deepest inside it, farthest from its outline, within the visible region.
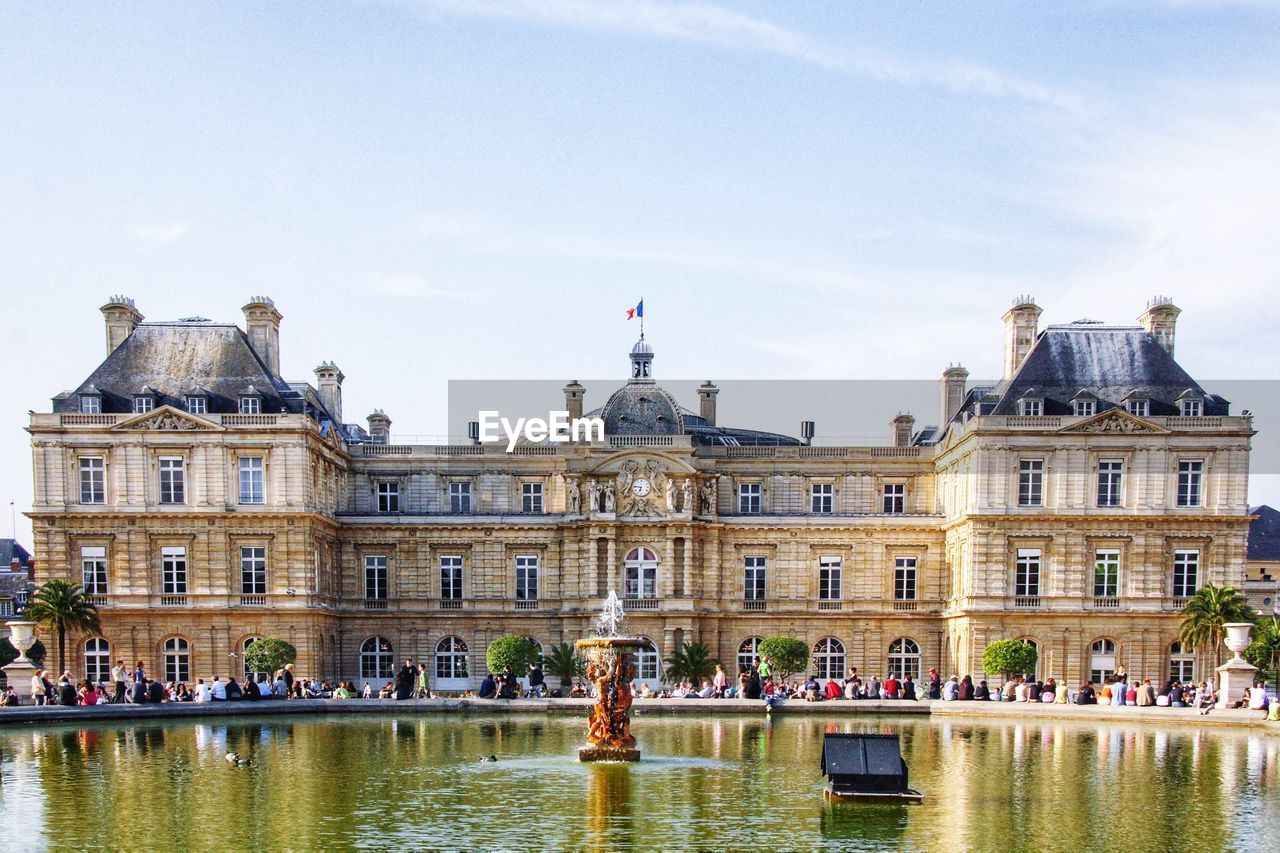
(715, 783)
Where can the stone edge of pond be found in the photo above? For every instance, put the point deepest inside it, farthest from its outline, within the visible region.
(989, 711)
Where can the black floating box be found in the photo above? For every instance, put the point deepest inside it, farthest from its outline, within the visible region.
(864, 764)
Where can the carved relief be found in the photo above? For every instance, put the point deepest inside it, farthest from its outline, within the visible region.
(1114, 421)
(168, 421)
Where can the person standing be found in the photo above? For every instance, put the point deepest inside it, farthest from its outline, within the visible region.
(37, 687)
(288, 681)
(935, 684)
(117, 677)
(139, 674)
(720, 682)
(423, 690)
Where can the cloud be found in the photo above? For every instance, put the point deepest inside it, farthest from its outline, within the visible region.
(158, 233)
(710, 24)
(411, 285)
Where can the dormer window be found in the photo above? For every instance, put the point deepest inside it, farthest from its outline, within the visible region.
(1031, 407)
(1085, 408)
(91, 404)
(250, 404)
(143, 403)
(1191, 407)
(197, 404)
(1140, 408)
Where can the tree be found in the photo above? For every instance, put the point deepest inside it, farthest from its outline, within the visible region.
(8, 654)
(512, 651)
(1009, 658)
(60, 606)
(565, 663)
(785, 655)
(1264, 651)
(268, 654)
(1206, 612)
(691, 662)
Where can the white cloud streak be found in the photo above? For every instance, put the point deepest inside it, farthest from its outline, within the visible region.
(710, 24)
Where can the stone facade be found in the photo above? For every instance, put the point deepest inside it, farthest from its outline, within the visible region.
(346, 543)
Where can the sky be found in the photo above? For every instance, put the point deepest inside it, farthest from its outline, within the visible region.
(434, 190)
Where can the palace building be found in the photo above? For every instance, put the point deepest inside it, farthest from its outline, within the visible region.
(204, 501)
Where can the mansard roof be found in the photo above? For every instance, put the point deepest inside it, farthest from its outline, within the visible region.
(1264, 533)
(1110, 362)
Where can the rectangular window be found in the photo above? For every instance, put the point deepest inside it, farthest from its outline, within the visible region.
(1110, 481)
(531, 497)
(527, 577)
(91, 404)
(749, 498)
(753, 587)
(375, 577)
(829, 580)
(173, 566)
(1186, 573)
(197, 405)
(1085, 408)
(460, 498)
(173, 487)
(1031, 408)
(641, 579)
(451, 577)
(252, 479)
(1026, 581)
(904, 578)
(143, 403)
(1190, 472)
(822, 497)
(895, 498)
(1031, 482)
(1140, 408)
(253, 570)
(93, 480)
(6, 606)
(388, 497)
(1106, 574)
(250, 405)
(93, 569)
(1192, 408)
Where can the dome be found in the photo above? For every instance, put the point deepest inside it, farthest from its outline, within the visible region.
(642, 348)
(636, 409)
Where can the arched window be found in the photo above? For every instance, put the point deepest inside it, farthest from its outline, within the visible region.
(647, 663)
(1102, 661)
(244, 658)
(1035, 672)
(541, 650)
(451, 658)
(749, 652)
(1182, 665)
(376, 660)
(828, 658)
(97, 660)
(904, 658)
(177, 659)
(641, 567)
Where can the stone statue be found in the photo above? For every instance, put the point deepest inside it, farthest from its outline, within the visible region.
(709, 497)
(572, 497)
(593, 496)
(671, 496)
(610, 500)
(686, 494)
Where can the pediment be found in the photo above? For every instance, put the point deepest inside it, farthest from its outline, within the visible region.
(1115, 421)
(646, 458)
(167, 419)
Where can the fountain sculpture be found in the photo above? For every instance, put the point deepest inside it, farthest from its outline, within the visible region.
(609, 669)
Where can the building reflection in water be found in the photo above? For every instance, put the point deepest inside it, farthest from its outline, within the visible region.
(609, 806)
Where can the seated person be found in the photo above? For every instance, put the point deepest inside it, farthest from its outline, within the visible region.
(234, 692)
(832, 690)
(155, 692)
(488, 687)
(811, 689)
(137, 694)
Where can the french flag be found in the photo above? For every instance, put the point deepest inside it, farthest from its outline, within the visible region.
(638, 311)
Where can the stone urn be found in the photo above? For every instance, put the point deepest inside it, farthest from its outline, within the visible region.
(1236, 674)
(22, 636)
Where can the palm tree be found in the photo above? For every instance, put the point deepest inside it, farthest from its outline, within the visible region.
(564, 663)
(691, 662)
(61, 606)
(1207, 611)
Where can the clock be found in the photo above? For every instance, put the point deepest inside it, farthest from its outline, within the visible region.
(641, 487)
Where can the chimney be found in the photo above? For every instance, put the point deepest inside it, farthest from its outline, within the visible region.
(1020, 325)
(807, 431)
(262, 324)
(951, 393)
(573, 394)
(707, 401)
(31, 569)
(903, 425)
(1161, 319)
(329, 386)
(122, 317)
(379, 427)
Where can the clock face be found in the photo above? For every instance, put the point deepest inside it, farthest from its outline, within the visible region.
(640, 487)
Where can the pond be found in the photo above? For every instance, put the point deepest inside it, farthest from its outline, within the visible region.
(722, 782)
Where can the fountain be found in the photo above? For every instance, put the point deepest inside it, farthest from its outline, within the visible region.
(609, 669)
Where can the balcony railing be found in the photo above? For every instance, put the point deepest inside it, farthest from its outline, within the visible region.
(100, 600)
(173, 601)
(830, 605)
(639, 604)
(451, 604)
(527, 604)
(905, 606)
(375, 604)
(1025, 602)
(1179, 603)
(755, 605)
(1106, 602)
(253, 601)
